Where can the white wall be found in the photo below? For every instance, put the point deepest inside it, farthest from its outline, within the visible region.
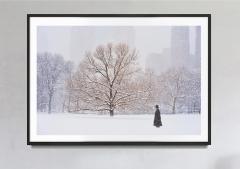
(224, 153)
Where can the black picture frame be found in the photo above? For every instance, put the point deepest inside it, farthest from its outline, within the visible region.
(125, 143)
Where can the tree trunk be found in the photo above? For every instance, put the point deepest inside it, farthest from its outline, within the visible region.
(69, 102)
(111, 112)
(50, 104)
(174, 106)
(63, 104)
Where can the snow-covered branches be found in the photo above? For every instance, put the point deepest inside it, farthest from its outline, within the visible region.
(105, 79)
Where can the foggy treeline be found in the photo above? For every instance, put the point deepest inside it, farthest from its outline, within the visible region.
(110, 80)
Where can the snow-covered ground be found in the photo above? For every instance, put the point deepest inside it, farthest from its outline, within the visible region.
(68, 123)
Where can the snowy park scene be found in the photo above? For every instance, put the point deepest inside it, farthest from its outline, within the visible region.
(118, 80)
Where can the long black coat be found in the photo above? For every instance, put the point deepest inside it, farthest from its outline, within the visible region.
(157, 119)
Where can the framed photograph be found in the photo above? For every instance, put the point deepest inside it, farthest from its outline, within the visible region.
(119, 79)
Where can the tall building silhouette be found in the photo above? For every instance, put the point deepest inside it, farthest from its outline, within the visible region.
(180, 46)
(197, 59)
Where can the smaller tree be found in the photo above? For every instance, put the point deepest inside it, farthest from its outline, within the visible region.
(180, 89)
(172, 87)
(51, 72)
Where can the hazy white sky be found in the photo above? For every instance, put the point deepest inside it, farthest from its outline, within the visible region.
(73, 42)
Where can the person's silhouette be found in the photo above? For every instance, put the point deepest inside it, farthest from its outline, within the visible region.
(157, 118)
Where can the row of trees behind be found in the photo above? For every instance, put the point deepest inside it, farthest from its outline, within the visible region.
(109, 80)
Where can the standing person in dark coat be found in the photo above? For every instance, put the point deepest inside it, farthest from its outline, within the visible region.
(157, 118)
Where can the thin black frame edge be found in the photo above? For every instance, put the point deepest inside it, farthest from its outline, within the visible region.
(28, 80)
(119, 143)
(118, 15)
(204, 143)
(209, 80)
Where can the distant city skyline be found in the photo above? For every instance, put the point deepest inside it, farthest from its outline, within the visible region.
(159, 47)
(184, 51)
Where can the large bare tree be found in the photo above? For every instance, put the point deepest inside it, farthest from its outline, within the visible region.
(105, 79)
